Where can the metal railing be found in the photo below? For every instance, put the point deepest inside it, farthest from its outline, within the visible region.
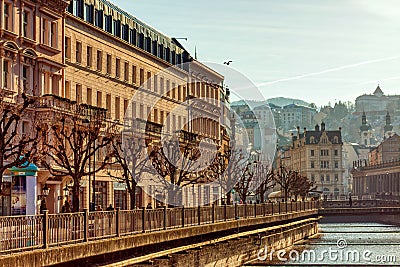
(41, 231)
(361, 203)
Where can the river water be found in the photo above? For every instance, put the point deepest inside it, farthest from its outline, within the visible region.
(341, 244)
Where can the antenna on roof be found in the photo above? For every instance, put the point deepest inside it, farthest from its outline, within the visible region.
(195, 52)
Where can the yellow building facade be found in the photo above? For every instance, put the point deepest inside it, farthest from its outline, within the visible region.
(94, 53)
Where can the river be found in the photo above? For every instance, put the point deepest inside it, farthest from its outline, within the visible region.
(342, 244)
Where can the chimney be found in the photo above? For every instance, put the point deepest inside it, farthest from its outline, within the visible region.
(305, 130)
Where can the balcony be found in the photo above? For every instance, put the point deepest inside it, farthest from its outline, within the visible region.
(67, 106)
(55, 102)
(153, 128)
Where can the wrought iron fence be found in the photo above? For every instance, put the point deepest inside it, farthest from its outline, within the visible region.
(18, 232)
(361, 203)
(41, 231)
(65, 228)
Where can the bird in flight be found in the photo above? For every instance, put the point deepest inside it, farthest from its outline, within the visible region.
(228, 62)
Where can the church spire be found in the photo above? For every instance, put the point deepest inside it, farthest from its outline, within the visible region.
(364, 118)
(388, 127)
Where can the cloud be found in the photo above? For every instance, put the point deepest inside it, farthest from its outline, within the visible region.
(379, 80)
(329, 70)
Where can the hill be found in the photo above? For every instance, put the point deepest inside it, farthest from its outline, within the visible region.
(283, 101)
(277, 101)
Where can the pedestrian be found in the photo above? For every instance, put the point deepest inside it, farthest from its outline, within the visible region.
(110, 208)
(66, 208)
(350, 201)
(149, 207)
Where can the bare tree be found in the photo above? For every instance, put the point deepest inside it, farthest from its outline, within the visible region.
(283, 178)
(245, 181)
(177, 165)
(17, 146)
(292, 182)
(129, 162)
(228, 167)
(264, 178)
(71, 142)
(300, 185)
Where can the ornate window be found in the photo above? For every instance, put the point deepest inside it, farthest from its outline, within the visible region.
(7, 12)
(7, 74)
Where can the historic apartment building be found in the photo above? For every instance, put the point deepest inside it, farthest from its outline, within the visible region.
(293, 115)
(94, 53)
(387, 151)
(318, 154)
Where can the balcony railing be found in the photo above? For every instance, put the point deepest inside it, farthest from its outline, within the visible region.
(68, 106)
(19, 233)
(58, 103)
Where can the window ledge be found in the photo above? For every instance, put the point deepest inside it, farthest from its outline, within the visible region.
(8, 33)
(49, 48)
(27, 40)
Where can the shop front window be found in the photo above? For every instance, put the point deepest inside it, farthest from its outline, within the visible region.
(101, 195)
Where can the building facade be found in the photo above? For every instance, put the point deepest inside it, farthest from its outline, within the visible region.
(294, 115)
(387, 151)
(379, 175)
(377, 181)
(93, 53)
(31, 62)
(378, 102)
(318, 155)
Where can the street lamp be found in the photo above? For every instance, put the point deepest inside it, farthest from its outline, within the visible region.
(43, 196)
(45, 190)
(66, 190)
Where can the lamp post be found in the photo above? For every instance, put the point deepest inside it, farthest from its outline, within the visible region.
(66, 191)
(43, 196)
(94, 177)
(92, 203)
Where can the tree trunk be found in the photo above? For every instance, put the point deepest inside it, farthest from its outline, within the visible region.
(75, 197)
(245, 199)
(262, 192)
(229, 198)
(132, 194)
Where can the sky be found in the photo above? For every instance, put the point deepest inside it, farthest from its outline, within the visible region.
(318, 51)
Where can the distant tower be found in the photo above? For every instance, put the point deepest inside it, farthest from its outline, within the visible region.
(366, 135)
(388, 126)
(378, 92)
